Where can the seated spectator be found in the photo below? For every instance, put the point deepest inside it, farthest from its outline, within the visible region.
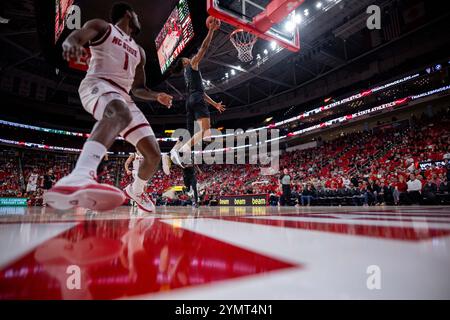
(307, 195)
(385, 194)
(346, 182)
(429, 192)
(414, 189)
(447, 167)
(444, 187)
(372, 190)
(400, 189)
(363, 194)
(447, 155)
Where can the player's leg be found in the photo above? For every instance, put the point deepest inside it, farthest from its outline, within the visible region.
(149, 148)
(80, 188)
(203, 134)
(194, 186)
(116, 117)
(166, 163)
(140, 134)
(166, 158)
(198, 112)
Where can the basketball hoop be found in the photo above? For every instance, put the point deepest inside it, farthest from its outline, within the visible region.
(243, 41)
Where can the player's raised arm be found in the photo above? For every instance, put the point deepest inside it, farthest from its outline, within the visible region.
(140, 89)
(205, 45)
(73, 46)
(218, 105)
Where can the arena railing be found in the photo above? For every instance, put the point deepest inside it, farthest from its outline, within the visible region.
(322, 125)
(301, 116)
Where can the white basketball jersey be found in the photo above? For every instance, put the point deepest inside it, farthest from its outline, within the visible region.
(138, 158)
(114, 58)
(32, 180)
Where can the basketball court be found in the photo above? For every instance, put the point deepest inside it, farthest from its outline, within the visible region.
(228, 253)
(240, 243)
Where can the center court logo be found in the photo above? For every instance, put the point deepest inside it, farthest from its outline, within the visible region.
(234, 146)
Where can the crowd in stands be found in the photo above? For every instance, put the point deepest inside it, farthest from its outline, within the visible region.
(385, 165)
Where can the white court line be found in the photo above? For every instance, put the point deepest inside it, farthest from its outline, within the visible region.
(381, 217)
(381, 223)
(18, 239)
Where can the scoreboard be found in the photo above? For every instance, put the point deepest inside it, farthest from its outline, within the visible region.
(176, 33)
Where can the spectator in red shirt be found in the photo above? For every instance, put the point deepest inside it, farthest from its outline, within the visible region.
(400, 188)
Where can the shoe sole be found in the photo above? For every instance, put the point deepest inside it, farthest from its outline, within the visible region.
(137, 203)
(89, 197)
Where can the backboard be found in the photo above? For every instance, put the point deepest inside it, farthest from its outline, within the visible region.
(271, 20)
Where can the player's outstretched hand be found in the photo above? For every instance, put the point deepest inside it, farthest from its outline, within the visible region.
(73, 51)
(220, 107)
(165, 99)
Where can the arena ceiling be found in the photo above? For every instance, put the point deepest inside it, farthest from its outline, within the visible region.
(330, 39)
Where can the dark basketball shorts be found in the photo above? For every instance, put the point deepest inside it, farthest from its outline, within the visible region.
(196, 108)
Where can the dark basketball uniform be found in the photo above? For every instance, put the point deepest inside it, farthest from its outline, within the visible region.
(190, 180)
(196, 106)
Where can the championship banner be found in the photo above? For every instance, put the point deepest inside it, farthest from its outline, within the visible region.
(6, 202)
(245, 200)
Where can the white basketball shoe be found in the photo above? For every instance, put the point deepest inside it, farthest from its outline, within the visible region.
(143, 200)
(80, 191)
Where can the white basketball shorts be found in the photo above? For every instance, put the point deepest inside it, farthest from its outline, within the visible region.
(95, 95)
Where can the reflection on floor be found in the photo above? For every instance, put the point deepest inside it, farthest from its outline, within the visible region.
(226, 253)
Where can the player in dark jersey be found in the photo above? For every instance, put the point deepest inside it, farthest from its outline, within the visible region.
(190, 182)
(197, 100)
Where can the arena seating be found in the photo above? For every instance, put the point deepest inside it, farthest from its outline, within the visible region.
(359, 168)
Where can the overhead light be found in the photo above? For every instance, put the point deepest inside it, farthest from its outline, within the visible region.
(233, 72)
(298, 18)
(266, 52)
(208, 82)
(318, 5)
(226, 75)
(268, 119)
(306, 12)
(258, 56)
(289, 26)
(273, 45)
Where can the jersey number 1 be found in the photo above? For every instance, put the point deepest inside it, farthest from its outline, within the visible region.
(125, 64)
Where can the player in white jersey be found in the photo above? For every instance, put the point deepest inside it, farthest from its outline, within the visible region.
(32, 182)
(136, 160)
(115, 68)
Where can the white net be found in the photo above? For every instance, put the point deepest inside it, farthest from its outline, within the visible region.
(243, 41)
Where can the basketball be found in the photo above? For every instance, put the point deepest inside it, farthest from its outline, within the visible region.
(212, 23)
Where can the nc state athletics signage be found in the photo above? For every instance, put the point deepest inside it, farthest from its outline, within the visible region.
(245, 200)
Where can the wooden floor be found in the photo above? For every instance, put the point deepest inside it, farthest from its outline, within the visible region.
(226, 253)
